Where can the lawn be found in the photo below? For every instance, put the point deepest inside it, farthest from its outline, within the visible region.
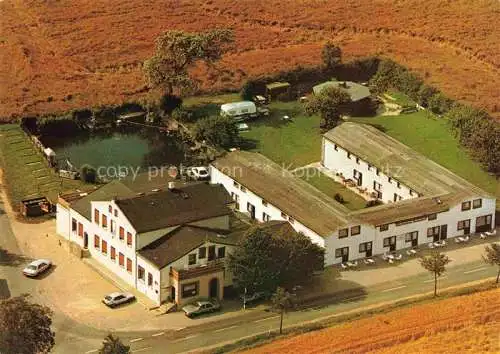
(294, 143)
(331, 188)
(431, 137)
(25, 170)
(400, 98)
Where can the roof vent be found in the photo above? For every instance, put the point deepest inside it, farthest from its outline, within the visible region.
(140, 193)
(83, 194)
(221, 236)
(152, 203)
(185, 195)
(171, 185)
(155, 190)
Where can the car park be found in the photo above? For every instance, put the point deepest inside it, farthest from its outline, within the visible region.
(116, 299)
(200, 307)
(37, 267)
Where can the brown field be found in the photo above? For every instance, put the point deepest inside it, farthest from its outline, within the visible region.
(458, 325)
(92, 49)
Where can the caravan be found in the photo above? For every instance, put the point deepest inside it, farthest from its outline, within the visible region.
(243, 110)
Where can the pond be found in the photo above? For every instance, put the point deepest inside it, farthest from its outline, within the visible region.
(118, 151)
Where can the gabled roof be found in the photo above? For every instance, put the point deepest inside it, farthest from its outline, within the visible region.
(182, 241)
(278, 186)
(399, 161)
(355, 90)
(170, 208)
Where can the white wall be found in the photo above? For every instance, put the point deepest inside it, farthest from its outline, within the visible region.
(217, 177)
(63, 221)
(154, 291)
(337, 161)
(371, 233)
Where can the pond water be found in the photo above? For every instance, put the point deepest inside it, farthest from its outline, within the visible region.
(118, 150)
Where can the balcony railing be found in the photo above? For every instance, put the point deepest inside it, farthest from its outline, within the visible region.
(197, 270)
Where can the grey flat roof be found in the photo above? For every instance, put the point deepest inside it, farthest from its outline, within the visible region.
(399, 161)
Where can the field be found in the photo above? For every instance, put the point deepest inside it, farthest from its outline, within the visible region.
(58, 55)
(465, 324)
(25, 171)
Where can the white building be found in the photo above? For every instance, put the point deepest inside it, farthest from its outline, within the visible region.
(169, 244)
(424, 201)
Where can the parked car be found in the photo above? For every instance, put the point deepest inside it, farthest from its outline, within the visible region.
(115, 299)
(37, 267)
(200, 307)
(256, 296)
(198, 173)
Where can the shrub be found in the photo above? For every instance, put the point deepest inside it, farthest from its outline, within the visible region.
(339, 198)
(218, 131)
(168, 103)
(372, 203)
(88, 174)
(182, 115)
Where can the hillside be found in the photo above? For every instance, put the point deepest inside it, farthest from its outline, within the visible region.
(64, 54)
(465, 324)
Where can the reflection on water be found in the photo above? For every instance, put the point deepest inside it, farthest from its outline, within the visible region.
(132, 147)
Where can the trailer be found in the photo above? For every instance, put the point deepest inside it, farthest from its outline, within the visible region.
(239, 110)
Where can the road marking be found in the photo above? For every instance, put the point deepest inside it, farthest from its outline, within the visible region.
(432, 280)
(475, 270)
(180, 329)
(265, 319)
(396, 288)
(142, 349)
(226, 328)
(92, 351)
(185, 338)
(136, 340)
(157, 334)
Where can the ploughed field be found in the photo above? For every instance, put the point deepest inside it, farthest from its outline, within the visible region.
(58, 55)
(465, 324)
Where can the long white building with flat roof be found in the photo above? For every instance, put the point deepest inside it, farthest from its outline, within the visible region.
(423, 202)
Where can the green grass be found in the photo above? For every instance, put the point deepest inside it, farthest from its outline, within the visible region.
(294, 143)
(400, 98)
(431, 137)
(331, 188)
(26, 172)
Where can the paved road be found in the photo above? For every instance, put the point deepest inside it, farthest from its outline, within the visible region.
(72, 337)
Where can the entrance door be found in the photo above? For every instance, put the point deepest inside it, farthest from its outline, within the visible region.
(213, 288)
(483, 223)
(444, 232)
(251, 210)
(368, 249)
(85, 240)
(172, 294)
(345, 254)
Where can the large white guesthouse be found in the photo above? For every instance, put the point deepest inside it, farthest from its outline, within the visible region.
(423, 201)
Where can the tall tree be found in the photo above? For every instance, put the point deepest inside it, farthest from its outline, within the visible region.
(25, 327)
(282, 301)
(217, 130)
(177, 51)
(331, 56)
(492, 256)
(274, 255)
(436, 264)
(113, 345)
(330, 103)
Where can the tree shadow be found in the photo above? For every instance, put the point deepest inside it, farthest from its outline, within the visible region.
(247, 143)
(4, 290)
(11, 259)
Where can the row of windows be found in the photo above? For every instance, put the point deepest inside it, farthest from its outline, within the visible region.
(102, 245)
(476, 203)
(355, 230)
(202, 254)
(141, 275)
(429, 217)
(104, 224)
(389, 179)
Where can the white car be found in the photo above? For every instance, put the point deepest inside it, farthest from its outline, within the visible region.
(115, 299)
(37, 267)
(198, 173)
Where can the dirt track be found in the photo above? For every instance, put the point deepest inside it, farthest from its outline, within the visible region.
(65, 54)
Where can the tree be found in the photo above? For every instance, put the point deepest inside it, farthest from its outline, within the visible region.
(272, 255)
(217, 130)
(492, 256)
(25, 327)
(177, 51)
(169, 102)
(439, 104)
(425, 93)
(435, 263)
(331, 56)
(113, 345)
(330, 103)
(282, 301)
(88, 174)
